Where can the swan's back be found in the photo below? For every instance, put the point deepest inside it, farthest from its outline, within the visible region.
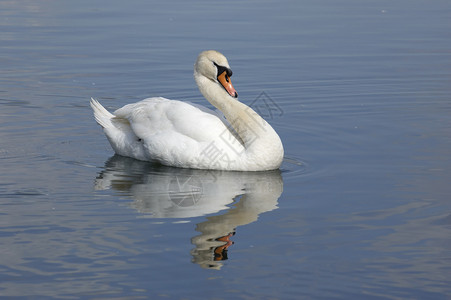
(171, 132)
(159, 115)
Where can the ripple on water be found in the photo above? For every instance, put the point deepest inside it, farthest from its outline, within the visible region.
(293, 168)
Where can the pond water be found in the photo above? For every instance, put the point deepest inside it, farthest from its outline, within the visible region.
(359, 93)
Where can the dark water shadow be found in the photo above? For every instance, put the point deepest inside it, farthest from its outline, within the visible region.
(228, 199)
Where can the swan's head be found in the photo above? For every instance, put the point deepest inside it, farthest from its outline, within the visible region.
(214, 66)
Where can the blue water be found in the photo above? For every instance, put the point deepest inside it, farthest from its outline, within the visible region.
(358, 92)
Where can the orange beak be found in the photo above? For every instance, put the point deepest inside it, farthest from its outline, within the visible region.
(225, 81)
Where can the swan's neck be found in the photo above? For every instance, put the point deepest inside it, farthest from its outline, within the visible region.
(253, 130)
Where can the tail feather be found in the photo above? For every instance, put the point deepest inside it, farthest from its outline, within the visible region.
(102, 116)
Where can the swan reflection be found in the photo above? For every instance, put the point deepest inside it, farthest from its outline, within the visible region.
(164, 192)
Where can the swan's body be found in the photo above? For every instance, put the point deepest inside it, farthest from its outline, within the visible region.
(187, 135)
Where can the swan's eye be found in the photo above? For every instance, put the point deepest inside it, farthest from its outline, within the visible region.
(222, 69)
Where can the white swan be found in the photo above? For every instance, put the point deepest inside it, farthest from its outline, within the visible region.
(187, 135)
